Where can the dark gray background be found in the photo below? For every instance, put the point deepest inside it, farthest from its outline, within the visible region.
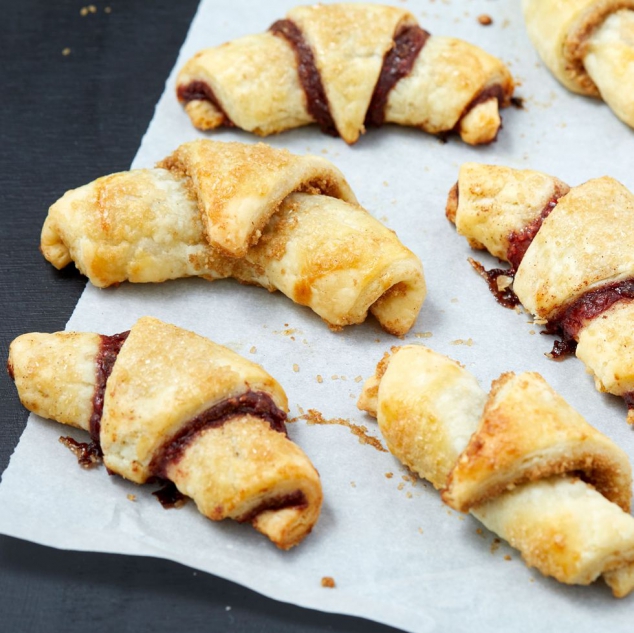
(64, 121)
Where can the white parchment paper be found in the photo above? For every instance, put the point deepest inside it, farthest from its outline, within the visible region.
(397, 554)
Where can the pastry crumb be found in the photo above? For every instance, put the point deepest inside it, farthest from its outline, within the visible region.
(315, 417)
(66, 52)
(423, 334)
(107, 10)
(319, 379)
(295, 367)
(132, 497)
(358, 379)
(328, 581)
(507, 557)
(389, 475)
(420, 530)
(459, 341)
(253, 350)
(353, 484)
(485, 20)
(334, 377)
(495, 545)
(479, 532)
(409, 495)
(401, 486)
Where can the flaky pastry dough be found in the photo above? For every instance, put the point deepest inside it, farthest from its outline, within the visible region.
(163, 402)
(521, 460)
(346, 66)
(589, 46)
(571, 255)
(261, 215)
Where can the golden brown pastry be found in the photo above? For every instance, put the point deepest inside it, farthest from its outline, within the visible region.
(163, 402)
(570, 252)
(589, 46)
(261, 215)
(345, 67)
(521, 460)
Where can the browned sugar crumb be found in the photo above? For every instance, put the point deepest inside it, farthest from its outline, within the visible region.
(507, 557)
(253, 350)
(328, 581)
(295, 367)
(132, 497)
(485, 20)
(66, 52)
(319, 379)
(315, 417)
(389, 475)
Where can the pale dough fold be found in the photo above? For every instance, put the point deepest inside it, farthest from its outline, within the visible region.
(513, 458)
(163, 378)
(256, 86)
(589, 46)
(218, 210)
(585, 243)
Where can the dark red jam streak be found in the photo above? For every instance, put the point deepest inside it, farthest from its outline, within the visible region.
(309, 77)
(397, 63)
(518, 245)
(202, 91)
(108, 351)
(519, 241)
(590, 305)
(169, 495)
(506, 297)
(254, 403)
(295, 499)
(88, 454)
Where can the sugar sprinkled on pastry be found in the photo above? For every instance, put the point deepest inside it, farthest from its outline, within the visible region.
(261, 215)
(589, 46)
(163, 402)
(521, 460)
(570, 251)
(345, 67)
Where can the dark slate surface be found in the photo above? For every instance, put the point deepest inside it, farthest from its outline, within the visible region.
(65, 120)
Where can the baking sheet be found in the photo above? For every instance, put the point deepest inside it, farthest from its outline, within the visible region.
(397, 554)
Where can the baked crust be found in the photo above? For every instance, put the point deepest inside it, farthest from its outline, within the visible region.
(433, 417)
(529, 432)
(164, 378)
(493, 202)
(589, 46)
(255, 81)
(578, 244)
(218, 210)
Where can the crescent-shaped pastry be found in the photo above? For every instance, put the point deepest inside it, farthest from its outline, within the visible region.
(521, 460)
(571, 259)
(162, 402)
(589, 46)
(345, 67)
(260, 215)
